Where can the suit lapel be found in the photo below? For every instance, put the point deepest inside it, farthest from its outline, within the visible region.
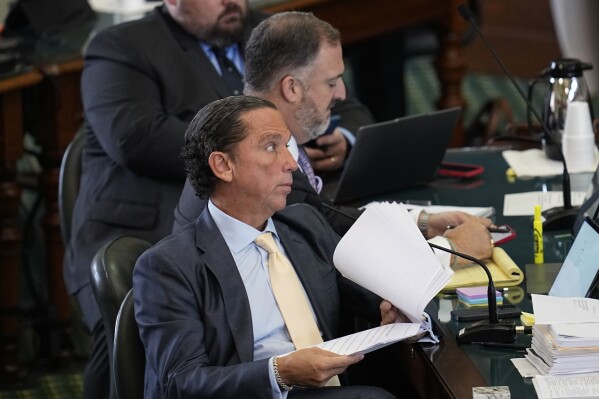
(237, 308)
(191, 47)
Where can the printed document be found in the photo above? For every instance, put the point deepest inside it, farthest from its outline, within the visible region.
(575, 386)
(554, 309)
(523, 204)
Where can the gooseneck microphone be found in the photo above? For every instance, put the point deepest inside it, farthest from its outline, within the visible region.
(562, 217)
(494, 330)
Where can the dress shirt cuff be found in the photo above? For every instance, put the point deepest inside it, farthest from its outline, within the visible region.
(277, 393)
(443, 257)
(349, 136)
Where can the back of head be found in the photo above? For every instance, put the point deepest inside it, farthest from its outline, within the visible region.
(283, 44)
(216, 127)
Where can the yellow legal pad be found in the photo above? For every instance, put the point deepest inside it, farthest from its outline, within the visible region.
(504, 271)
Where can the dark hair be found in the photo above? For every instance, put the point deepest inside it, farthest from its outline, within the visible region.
(284, 44)
(216, 127)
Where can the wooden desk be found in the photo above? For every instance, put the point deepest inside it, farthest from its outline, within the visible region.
(11, 149)
(358, 20)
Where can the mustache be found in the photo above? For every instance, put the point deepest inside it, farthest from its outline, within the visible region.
(229, 8)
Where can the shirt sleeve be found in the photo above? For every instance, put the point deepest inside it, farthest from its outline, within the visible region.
(276, 389)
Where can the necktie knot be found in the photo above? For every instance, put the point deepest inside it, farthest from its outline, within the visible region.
(266, 242)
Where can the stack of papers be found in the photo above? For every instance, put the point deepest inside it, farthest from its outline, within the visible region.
(551, 358)
(565, 337)
(534, 162)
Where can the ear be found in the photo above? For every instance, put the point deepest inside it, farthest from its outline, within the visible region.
(291, 89)
(220, 163)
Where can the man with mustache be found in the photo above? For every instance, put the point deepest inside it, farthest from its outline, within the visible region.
(295, 61)
(143, 81)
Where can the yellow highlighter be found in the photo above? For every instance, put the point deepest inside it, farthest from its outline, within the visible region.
(537, 226)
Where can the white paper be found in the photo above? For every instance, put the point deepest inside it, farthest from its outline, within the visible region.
(483, 211)
(554, 310)
(385, 252)
(534, 162)
(579, 386)
(524, 367)
(523, 204)
(372, 339)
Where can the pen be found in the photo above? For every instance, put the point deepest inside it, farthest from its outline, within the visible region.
(499, 345)
(490, 229)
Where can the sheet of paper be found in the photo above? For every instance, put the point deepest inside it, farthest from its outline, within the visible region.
(523, 204)
(484, 211)
(554, 310)
(372, 339)
(576, 386)
(524, 367)
(534, 162)
(385, 252)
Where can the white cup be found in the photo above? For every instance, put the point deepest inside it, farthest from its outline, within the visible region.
(578, 143)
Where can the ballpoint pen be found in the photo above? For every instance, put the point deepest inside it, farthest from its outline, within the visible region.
(490, 229)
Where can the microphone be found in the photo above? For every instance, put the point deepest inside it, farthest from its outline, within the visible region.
(494, 330)
(562, 217)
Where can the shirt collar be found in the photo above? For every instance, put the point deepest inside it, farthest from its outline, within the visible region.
(237, 234)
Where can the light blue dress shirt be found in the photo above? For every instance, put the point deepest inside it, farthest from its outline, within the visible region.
(270, 336)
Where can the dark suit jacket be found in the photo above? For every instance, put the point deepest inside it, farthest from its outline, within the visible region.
(142, 83)
(190, 205)
(194, 315)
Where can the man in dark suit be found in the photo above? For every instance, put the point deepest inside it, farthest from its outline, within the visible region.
(142, 83)
(210, 318)
(295, 61)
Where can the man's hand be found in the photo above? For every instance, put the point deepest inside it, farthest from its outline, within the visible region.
(390, 314)
(331, 152)
(313, 367)
(472, 238)
(439, 222)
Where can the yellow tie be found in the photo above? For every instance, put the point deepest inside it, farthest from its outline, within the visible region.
(290, 298)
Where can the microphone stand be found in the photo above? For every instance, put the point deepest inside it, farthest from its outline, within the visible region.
(562, 217)
(494, 330)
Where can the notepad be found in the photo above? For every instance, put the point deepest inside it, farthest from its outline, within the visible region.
(503, 270)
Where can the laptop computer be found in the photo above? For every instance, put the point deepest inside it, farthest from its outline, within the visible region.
(578, 276)
(396, 154)
(590, 205)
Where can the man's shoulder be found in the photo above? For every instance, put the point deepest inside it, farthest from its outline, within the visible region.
(143, 28)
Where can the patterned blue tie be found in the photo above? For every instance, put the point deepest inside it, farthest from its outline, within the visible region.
(304, 163)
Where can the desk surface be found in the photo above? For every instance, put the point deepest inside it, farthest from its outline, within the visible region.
(459, 368)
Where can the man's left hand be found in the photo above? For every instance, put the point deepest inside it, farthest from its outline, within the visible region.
(438, 223)
(331, 151)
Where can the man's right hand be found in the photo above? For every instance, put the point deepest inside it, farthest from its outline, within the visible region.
(472, 238)
(313, 367)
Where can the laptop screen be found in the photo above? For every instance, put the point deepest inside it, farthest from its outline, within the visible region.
(578, 274)
(589, 206)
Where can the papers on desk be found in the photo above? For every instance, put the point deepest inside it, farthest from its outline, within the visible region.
(483, 211)
(579, 386)
(565, 341)
(534, 162)
(372, 339)
(385, 252)
(559, 310)
(523, 204)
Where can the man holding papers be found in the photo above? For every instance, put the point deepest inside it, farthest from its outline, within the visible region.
(231, 305)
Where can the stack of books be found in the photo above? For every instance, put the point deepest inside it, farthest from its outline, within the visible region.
(476, 296)
(565, 348)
